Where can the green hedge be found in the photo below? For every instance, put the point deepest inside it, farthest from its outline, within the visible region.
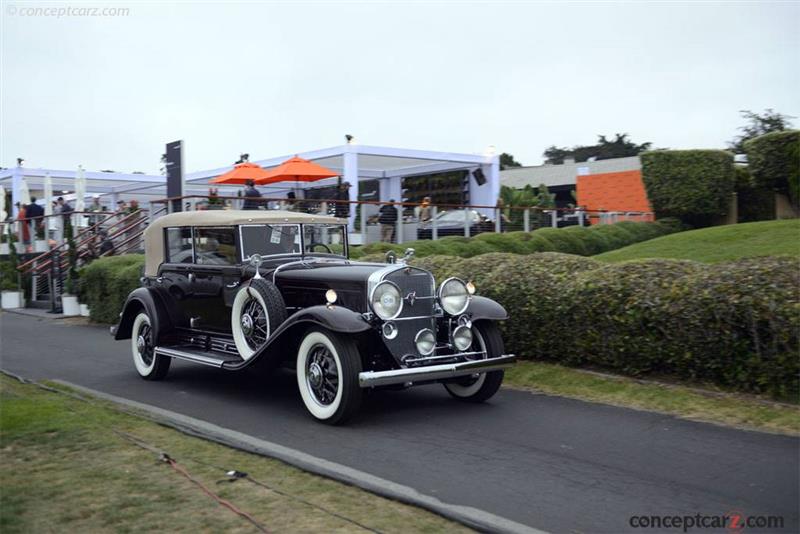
(583, 241)
(734, 324)
(774, 162)
(694, 186)
(106, 283)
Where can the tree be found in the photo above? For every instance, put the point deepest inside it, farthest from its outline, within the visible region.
(620, 147)
(759, 124)
(507, 161)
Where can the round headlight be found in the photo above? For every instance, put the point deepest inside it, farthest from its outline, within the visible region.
(462, 337)
(386, 301)
(425, 342)
(454, 296)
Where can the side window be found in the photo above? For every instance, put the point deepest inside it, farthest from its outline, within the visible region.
(179, 245)
(215, 246)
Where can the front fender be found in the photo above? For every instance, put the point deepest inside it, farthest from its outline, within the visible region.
(148, 300)
(334, 318)
(485, 308)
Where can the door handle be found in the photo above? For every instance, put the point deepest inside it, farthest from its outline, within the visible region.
(232, 285)
(192, 277)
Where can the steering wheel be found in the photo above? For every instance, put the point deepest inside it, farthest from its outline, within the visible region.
(312, 245)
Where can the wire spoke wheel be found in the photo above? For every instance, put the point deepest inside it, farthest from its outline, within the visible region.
(254, 323)
(322, 375)
(144, 344)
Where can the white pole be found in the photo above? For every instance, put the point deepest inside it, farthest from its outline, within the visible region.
(526, 220)
(434, 224)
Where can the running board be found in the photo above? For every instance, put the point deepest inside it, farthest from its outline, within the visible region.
(191, 356)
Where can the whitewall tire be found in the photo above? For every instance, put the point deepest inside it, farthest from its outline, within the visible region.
(149, 365)
(327, 376)
(257, 310)
(487, 338)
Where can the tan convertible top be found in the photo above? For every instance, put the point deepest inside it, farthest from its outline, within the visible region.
(154, 235)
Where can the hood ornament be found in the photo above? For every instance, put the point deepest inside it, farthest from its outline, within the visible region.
(411, 297)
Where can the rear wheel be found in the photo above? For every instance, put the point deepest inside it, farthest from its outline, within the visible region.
(149, 365)
(327, 375)
(479, 388)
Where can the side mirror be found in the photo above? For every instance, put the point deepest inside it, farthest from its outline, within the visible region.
(408, 254)
(391, 257)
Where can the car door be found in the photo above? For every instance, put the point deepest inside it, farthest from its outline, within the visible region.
(216, 271)
(174, 281)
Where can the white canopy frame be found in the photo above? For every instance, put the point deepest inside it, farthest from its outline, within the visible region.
(356, 163)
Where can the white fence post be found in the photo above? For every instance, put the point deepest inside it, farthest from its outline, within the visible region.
(526, 220)
(466, 222)
(497, 220)
(434, 224)
(554, 218)
(363, 224)
(399, 225)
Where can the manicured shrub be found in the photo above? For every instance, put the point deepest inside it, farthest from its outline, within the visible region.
(734, 324)
(774, 162)
(584, 241)
(106, 282)
(693, 185)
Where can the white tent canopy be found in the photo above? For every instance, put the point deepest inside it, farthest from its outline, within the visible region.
(356, 163)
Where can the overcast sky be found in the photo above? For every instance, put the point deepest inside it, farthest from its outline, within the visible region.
(273, 78)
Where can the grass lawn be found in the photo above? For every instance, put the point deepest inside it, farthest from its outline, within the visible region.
(65, 467)
(730, 409)
(719, 243)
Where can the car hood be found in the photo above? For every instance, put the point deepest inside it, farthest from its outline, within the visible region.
(305, 284)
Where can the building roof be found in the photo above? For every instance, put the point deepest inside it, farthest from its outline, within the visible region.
(566, 174)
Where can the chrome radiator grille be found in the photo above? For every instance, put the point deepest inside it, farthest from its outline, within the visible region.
(418, 292)
(417, 288)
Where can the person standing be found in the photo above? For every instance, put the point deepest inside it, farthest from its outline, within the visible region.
(343, 196)
(96, 208)
(65, 210)
(425, 210)
(35, 214)
(250, 194)
(24, 226)
(387, 217)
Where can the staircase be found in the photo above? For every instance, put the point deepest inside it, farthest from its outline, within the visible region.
(120, 233)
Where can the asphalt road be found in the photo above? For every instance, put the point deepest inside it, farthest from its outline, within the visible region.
(551, 463)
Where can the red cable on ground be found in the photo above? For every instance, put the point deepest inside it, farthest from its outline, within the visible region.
(227, 504)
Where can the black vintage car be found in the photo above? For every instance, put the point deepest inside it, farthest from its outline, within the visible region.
(234, 289)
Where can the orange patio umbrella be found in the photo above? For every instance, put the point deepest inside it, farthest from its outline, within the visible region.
(240, 173)
(296, 169)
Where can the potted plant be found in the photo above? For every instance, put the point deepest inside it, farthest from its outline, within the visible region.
(12, 296)
(69, 299)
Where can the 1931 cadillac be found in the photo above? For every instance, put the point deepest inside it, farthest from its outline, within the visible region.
(234, 289)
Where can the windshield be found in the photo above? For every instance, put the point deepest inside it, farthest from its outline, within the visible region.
(324, 238)
(269, 239)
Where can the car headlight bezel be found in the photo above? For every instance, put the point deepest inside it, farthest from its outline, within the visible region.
(440, 295)
(431, 340)
(375, 309)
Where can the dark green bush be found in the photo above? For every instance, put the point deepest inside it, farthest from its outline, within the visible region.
(734, 324)
(694, 186)
(584, 241)
(106, 282)
(774, 162)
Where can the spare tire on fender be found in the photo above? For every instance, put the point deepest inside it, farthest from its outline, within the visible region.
(258, 309)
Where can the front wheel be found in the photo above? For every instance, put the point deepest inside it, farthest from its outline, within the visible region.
(479, 388)
(149, 365)
(327, 375)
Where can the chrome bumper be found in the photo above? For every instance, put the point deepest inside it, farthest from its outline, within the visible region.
(369, 379)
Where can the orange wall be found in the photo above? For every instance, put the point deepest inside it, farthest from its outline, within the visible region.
(612, 191)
